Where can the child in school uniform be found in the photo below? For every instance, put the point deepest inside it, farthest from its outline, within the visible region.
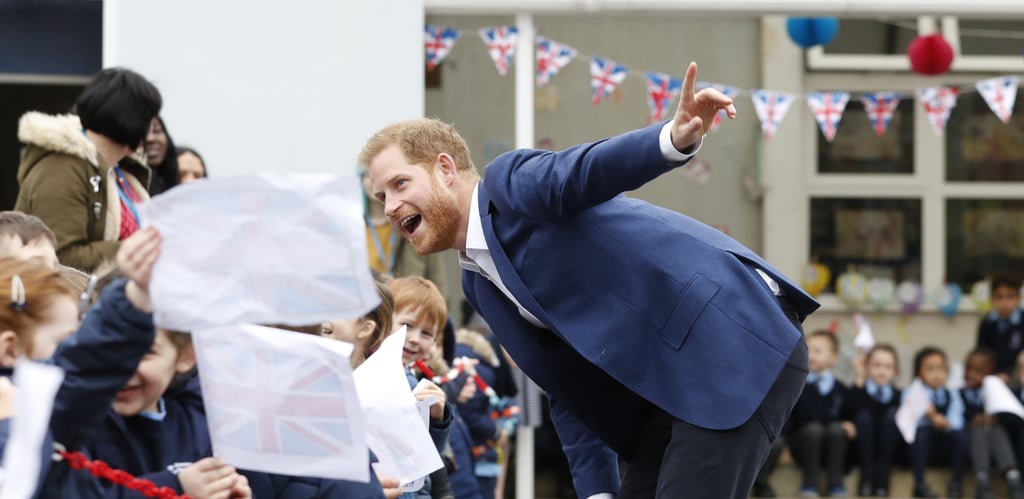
(1001, 331)
(940, 435)
(38, 314)
(158, 430)
(989, 441)
(871, 404)
(815, 430)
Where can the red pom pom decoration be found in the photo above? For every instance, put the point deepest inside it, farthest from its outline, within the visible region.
(930, 55)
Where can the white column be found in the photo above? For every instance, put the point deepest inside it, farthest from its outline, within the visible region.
(524, 139)
(110, 29)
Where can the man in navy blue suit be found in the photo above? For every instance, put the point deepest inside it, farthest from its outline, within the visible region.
(657, 338)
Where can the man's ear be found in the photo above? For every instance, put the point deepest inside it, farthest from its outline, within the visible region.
(10, 347)
(446, 166)
(186, 359)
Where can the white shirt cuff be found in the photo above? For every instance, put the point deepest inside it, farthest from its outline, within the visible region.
(669, 151)
(602, 495)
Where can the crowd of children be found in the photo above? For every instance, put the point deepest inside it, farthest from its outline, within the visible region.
(837, 427)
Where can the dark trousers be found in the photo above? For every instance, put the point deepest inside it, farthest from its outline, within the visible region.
(816, 442)
(877, 438)
(676, 459)
(933, 446)
(764, 476)
(990, 443)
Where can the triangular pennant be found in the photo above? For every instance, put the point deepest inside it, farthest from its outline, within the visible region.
(662, 89)
(938, 102)
(728, 91)
(605, 76)
(828, 109)
(880, 106)
(551, 58)
(1000, 94)
(771, 108)
(501, 44)
(439, 40)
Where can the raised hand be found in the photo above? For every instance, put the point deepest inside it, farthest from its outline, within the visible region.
(135, 258)
(697, 111)
(209, 478)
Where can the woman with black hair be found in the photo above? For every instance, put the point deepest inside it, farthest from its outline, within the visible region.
(80, 173)
(191, 166)
(160, 156)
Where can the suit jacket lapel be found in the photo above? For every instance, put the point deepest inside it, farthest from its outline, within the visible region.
(502, 262)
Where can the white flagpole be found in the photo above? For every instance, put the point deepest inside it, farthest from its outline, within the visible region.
(525, 78)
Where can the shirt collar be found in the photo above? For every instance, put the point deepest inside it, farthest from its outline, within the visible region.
(475, 240)
(1014, 317)
(159, 415)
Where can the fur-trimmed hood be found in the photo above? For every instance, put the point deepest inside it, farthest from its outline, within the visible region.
(478, 344)
(60, 133)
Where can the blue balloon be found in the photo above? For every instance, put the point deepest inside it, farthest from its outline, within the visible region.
(810, 31)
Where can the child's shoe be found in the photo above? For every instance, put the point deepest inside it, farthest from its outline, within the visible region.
(983, 487)
(809, 491)
(1013, 484)
(837, 491)
(923, 490)
(955, 491)
(865, 489)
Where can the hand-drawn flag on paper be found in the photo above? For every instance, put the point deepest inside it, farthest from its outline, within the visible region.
(771, 108)
(282, 402)
(880, 107)
(914, 404)
(1000, 94)
(501, 44)
(439, 40)
(729, 91)
(605, 76)
(662, 90)
(828, 110)
(551, 58)
(698, 170)
(938, 103)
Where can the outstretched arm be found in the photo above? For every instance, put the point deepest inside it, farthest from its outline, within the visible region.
(542, 184)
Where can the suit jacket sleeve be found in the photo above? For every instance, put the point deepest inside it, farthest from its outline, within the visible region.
(595, 467)
(97, 361)
(555, 185)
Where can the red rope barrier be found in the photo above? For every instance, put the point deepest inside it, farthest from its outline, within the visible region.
(78, 461)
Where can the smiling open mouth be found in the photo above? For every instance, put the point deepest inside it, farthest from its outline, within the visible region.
(410, 223)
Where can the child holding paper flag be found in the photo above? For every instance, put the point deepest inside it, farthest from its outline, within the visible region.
(931, 420)
(984, 397)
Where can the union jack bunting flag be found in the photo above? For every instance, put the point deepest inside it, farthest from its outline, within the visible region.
(880, 107)
(728, 91)
(551, 58)
(277, 402)
(771, 107)
(828, 109)
(605, 76)
(938, 103)
(439, 40)
(1000, 94)
(662, 89)
(501, 45)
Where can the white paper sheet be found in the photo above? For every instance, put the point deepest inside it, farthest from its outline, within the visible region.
(913, 406)
(266, 249)
(397, 434)
(865, 340)
(282, 402)
(37, 385)
(999, 398)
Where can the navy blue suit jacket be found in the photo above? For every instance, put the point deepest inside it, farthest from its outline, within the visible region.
(640, 303)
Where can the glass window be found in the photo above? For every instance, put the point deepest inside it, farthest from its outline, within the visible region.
(988, 38)
(882, 237)
(980, 147)
(865, 36)
(983, 237)
(858, 149)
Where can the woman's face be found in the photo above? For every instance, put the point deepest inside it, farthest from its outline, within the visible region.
(156, 144)
(190, 168)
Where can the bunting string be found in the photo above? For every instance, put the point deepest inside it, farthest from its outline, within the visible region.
(771, 106)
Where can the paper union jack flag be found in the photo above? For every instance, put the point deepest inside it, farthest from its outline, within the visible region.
(551, 58)
(501, 44)
(662, 89)
(266, 402)
(605, 76)
(828, 110)
(771, 108)
(938, 103)
(728, 91)
(439, 40)
(1000, 94)
(880, 106)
